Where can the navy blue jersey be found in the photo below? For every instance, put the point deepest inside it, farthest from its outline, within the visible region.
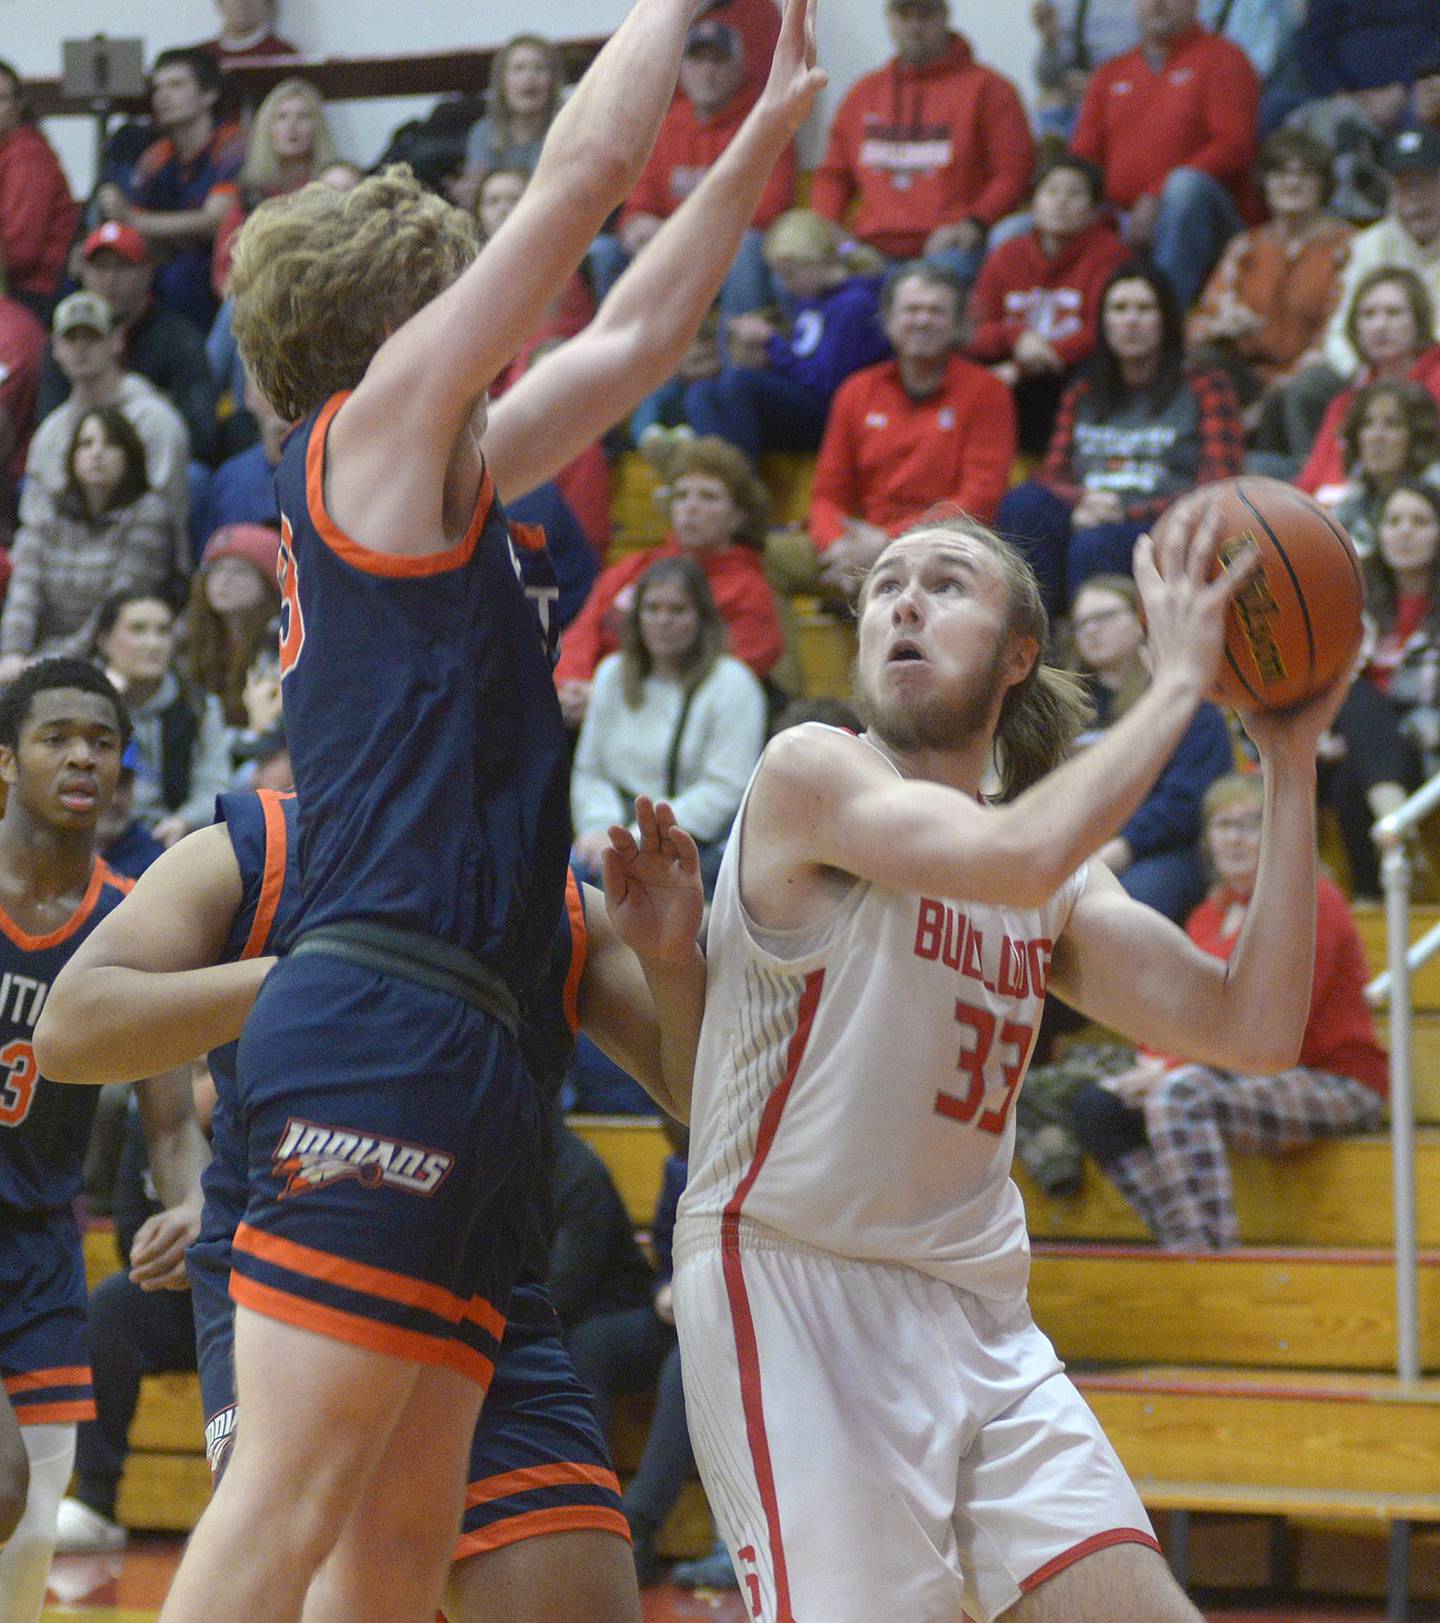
(429, 753)
(44, 1127)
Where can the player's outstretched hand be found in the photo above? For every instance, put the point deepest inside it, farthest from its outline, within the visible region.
(1184, 593)
(795, 81)
(157, 1254)
(1296, 732)
(652, 885)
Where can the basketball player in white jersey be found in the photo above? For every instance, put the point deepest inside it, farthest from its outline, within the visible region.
(882, 1430)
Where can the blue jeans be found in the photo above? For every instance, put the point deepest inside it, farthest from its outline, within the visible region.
(1035, 520)
(1197, 218)
(1172, 882)
(1105, 549)
(757, 410)
(666, 407)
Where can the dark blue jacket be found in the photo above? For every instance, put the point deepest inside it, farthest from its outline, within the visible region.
(1359, 44)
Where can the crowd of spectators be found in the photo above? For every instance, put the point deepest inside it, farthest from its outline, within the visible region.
(1206, 240)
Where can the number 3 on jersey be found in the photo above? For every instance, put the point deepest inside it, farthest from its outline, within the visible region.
(292, 621)
(18, 1076)
(972, 1064)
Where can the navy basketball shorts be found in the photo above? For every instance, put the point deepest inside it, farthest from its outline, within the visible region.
(44, 1347)
(538, 1463)
(394, 1143)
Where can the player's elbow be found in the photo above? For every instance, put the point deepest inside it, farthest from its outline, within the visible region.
(60, 1043)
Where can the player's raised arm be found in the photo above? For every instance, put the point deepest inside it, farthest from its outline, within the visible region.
(948, 665)
(146, 992)
(443, 359)
(1128, 967)
(651, 315)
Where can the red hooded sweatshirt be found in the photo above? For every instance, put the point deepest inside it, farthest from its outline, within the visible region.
(1020, 290)
(37, 214)
(737, 581)
(923, 147)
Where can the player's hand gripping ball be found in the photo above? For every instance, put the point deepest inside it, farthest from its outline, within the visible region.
(1296, 623)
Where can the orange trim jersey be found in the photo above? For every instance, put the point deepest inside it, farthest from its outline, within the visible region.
(44, 1128)
(429, 753)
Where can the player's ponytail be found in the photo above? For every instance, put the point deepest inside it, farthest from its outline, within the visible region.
(1038, 722)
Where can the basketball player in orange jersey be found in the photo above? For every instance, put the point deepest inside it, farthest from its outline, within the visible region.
(430, 769)
(881, 1429)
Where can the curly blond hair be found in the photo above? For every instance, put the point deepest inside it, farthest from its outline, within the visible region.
(321, 278)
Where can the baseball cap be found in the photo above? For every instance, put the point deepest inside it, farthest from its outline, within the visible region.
(82, 310)
(1412, 149)
(923, 5)
(715, 37)
(257, 544)
(124, 240)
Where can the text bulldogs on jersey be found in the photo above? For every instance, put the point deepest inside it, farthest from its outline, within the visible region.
(311, 1154)
(942, 932)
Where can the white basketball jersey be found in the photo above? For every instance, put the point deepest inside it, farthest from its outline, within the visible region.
(855, 1083)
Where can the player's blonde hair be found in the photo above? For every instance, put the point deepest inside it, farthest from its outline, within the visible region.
(321, 278)
(1042, 714)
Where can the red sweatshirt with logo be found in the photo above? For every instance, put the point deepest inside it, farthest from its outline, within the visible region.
(923, 147)
(1020, 290)
(1200, 110)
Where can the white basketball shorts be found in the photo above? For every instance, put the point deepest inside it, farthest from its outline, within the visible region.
(876, 1443)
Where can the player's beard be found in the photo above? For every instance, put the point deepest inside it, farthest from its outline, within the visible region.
(934, 721)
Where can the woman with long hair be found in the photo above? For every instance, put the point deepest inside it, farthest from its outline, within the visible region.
(179, 733)
(233, 604)
(1156, 855)
(1391, 432)
(671, 716)
(1134, 431)
(289, 145)
(527, 77)
(107, 530)
(1161, 1130)
(1391, 323)
(719, 511)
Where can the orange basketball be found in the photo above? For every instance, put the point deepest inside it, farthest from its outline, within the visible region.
(1295, 625)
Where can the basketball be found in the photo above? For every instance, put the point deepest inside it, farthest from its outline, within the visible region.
(1296, 624)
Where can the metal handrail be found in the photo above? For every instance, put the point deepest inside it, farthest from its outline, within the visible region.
(1395, 874)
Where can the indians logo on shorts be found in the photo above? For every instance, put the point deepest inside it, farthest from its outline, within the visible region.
(311, 1155)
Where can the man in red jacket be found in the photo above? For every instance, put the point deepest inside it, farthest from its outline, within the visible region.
(932, 149)
(710, 106)
(925, 428)
(37, 213)
(1173, 126)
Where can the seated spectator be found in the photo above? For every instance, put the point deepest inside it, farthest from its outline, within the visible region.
(757, 22)
(569, 311)
(635, 1349)
(658, 422)
(718, 514)
(776, 390)
(182, 749)
(106, 530)
(120, 836)
(87, 350)
(243, 488)
(526, 81)
(116, 265)
(135, 1330)
(233, 603)
(185, 184)
(1265, 308)
(1035, 306)
(1403, 602)
(37, 214)
(1076, 36)
(1265, 30)
(1172, 126)
(1391, 324)
(1391, 432)
(709, 108)
(247, 28)
(931, 149)
(671, 716)
(22, 351)
(1133, 433)
(925, 428)
(288, 146)
(1160, 1130)
(1156, 856)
